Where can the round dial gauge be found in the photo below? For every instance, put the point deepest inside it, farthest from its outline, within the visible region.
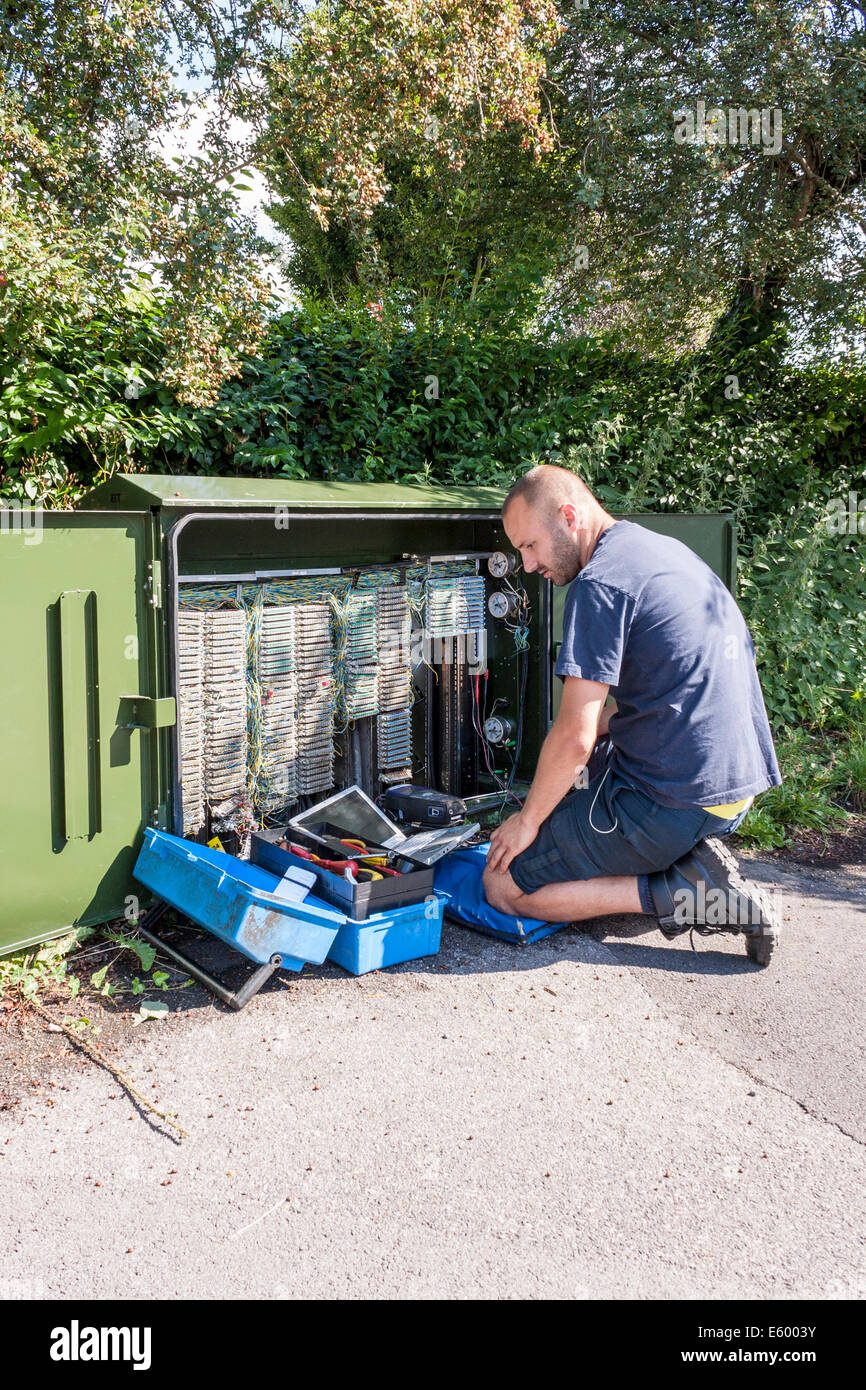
(497, 730)
(500, 604)
(500, 564)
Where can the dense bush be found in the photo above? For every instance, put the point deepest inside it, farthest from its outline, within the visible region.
(354, 395)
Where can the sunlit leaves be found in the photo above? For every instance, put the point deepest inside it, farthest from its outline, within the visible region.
(90, 208)
(374, 80)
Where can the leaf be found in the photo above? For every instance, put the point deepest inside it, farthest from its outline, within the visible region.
(145, 952)
(97, 979)
(151, 1008)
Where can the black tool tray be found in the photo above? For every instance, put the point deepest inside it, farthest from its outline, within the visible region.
(356, 900)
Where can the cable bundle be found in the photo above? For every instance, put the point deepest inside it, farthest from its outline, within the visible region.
(225, 715)
(207, 596)
(394, 642)
(278, 702)
(264, 667)
(454, 606)
(394, 737)
(394, 725)
(361, 687)
(315, 698)
(190, 713)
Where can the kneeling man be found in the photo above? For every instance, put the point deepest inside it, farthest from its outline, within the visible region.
(674, 760)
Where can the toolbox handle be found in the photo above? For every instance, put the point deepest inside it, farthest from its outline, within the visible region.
(81, 789)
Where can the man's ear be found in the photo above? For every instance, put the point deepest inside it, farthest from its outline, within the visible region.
(572, 516)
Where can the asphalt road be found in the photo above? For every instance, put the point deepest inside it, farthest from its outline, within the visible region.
(595, 1116)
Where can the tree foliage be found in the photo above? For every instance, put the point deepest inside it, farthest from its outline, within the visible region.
(92, 214)
(759, 215)
(403, 140)
(760, 211)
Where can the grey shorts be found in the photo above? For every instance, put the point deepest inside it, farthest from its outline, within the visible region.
(611, 828)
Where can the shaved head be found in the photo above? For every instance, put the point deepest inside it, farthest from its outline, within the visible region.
(546, 487)
(554, 520)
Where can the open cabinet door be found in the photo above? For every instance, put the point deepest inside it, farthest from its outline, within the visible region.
(77, 731)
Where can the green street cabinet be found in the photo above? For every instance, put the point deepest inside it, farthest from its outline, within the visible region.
(93, 602)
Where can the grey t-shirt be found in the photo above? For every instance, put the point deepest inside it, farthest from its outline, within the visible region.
(651, 620)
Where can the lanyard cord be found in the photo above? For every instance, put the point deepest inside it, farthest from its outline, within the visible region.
(592, 808)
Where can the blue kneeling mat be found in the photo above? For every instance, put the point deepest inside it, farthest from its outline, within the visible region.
(457, 881)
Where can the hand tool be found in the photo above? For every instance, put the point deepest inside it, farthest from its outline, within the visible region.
(380, 860)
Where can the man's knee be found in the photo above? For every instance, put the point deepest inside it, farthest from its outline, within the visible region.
(501, 891)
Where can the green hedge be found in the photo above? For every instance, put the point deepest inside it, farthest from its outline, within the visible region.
(351, 394)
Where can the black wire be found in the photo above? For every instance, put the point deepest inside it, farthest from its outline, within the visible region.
(476, 715)
(518, 738)
(428, 729)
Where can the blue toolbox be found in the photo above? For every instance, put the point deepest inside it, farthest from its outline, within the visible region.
(237, 902)
(356, 900)
(389, 938)
(403, 923)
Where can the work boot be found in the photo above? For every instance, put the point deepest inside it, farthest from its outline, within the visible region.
(705, 892)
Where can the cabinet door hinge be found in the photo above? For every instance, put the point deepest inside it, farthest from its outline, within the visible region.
(153, 583)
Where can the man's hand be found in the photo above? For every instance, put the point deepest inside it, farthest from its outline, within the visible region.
(509, 840)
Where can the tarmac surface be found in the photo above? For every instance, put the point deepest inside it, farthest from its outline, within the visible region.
(595, 1116)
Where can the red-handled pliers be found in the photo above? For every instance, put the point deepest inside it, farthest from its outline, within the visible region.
(336, 866)
(379, 860)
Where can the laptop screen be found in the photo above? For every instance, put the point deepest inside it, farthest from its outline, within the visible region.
(355, 815)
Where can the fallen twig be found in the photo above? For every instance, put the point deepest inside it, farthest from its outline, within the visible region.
(99, 1057)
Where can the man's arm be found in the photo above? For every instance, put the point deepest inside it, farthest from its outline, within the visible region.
(565, 750)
